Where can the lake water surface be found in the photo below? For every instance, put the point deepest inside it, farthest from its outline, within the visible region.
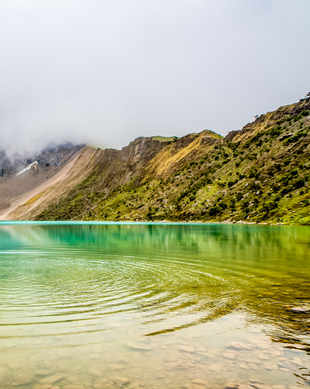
(90, 306)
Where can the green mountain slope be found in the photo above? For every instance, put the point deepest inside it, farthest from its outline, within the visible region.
(258, 174)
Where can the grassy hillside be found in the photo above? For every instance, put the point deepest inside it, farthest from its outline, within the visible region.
(258, 174)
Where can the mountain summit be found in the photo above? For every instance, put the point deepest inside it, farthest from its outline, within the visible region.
(258, 174)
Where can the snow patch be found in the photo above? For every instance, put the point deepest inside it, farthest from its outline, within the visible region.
(35, 163)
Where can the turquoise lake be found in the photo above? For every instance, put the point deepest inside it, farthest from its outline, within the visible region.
(146, 305)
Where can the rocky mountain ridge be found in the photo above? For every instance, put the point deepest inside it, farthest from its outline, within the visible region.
(258, 174)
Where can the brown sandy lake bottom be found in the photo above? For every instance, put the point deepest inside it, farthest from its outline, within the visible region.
(85, 306)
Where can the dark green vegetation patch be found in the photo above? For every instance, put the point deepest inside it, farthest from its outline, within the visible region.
(258, 174)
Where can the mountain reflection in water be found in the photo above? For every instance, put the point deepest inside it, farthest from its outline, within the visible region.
(72, 284)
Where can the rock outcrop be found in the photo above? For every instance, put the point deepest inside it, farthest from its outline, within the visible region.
(260, 173)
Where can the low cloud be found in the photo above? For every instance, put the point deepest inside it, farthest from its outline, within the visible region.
(104, 72)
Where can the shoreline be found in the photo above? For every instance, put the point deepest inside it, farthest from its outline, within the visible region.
(142, 222)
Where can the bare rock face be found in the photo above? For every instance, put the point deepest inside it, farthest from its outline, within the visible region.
(56, 155)
(230, 136)
(49, 156)
(22, 175)
(208, 140)
(118, 166)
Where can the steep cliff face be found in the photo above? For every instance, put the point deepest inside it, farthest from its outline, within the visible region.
(258, 174)
(117, 167)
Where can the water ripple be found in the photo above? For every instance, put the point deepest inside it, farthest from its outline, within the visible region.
(51, 292)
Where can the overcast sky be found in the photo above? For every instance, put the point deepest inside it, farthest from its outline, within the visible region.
(107, 71)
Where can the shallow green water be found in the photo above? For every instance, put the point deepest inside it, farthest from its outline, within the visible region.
(153, 306)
